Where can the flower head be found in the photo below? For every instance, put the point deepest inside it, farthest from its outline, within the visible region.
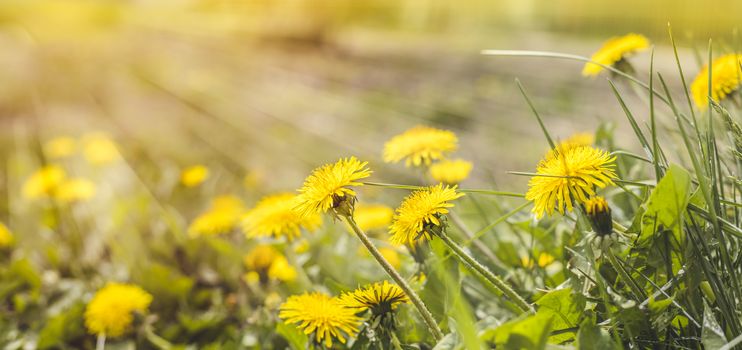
(599, 213)
(380, 297)
(570, 175)
(194, 175)
(321, 315)
(328, 187)
(373, 216)
(420, 212)
(544, 259)
(99, 149)
(275, 216)
(60, 147)
(6, 237)
(420, 145)
(451, 171)
(269, 264)
(222, 216)
(75, 190)
(110, 312)
(615, 50)
(44, 182)
(726, 77)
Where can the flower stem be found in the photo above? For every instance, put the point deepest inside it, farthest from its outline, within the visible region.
(424, 312)
(470, 262)
(100, 343)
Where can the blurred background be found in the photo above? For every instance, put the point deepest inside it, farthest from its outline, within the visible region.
(277, 87)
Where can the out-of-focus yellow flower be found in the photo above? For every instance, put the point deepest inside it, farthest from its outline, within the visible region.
(281, 270)
(194, 175)
(60, 147)
(74, 190)
(615, 50)
(222, 217)
(99, 149)
(269, 264)
(301, 247)
(110, 312)
(391, 256)
(275, 216)
(420, 145)
(328, 187)
(544, 259)
(252, 180)
(373, 216)
(726, 77)
(421, 211)
(451, 172)
(380, 297)
(44, 182)
(321, 315)
(6, 237)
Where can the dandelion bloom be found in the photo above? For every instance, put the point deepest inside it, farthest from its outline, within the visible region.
(44, 182)
(268, 263)
(60, 147)
(275, 216)
(726, 76)
(420, 211)
(6, 237)
(614, 50)
(420, 145)
(221, 217)
(380, 297)
(373, 216)
(544, 259)
(194, 175)
(322, 315)
(328, 186)
(451, 171)
(99, 149)
(599, 213)
(75, 190)
(570, 175)
(110, 312)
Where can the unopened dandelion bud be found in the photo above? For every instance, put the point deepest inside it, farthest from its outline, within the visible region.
(599, 213)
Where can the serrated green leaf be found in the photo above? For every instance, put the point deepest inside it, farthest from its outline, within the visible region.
(666, 204)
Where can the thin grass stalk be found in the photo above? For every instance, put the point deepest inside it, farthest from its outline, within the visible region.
(473, 264)
(416, 301)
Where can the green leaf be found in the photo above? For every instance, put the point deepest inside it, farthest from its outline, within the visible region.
(666, 204)
(591, 336)
(293, 336)
(526, 332)
(61, 328)
(566, 308)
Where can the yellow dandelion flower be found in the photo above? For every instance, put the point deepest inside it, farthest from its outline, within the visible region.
(44, 182)
(420, 212)
(99, 149)
(302, 246)
(391, 256)
(599, 213)
(379, 297)
(275, 216)
(282, 270)
(571, 175)
(420, 145)
(328, 187)
(75, 190)
(544, 259)
(60, 147)
(321, 315)
(110, 312)
(577, 140)
(373, 216)
(194, 175)
(726, 77)
(268, 263)
(6, 237)
(451, 171)
(615, 50)
(222, 217)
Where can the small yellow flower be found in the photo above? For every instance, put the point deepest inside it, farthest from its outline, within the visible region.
(268, 263)
(599, 213)
(544, 259)
(328, 187)
(302, 246)
(6, 237)
(99, 149)
(281, 270)
(420, 145)
(726, 77)
(110, 312)
(421, 211)
(321, 315)
(570, 175)
(44, 182)
(451, 171)
(380, 298)
(615, 50)
(60, 147)
(373, 216)
(252, 180)
(221, 217)
(75, 190)
(275, 216)
(194, 175)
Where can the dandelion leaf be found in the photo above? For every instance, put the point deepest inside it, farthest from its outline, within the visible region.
(666, 204)
(566, 308)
